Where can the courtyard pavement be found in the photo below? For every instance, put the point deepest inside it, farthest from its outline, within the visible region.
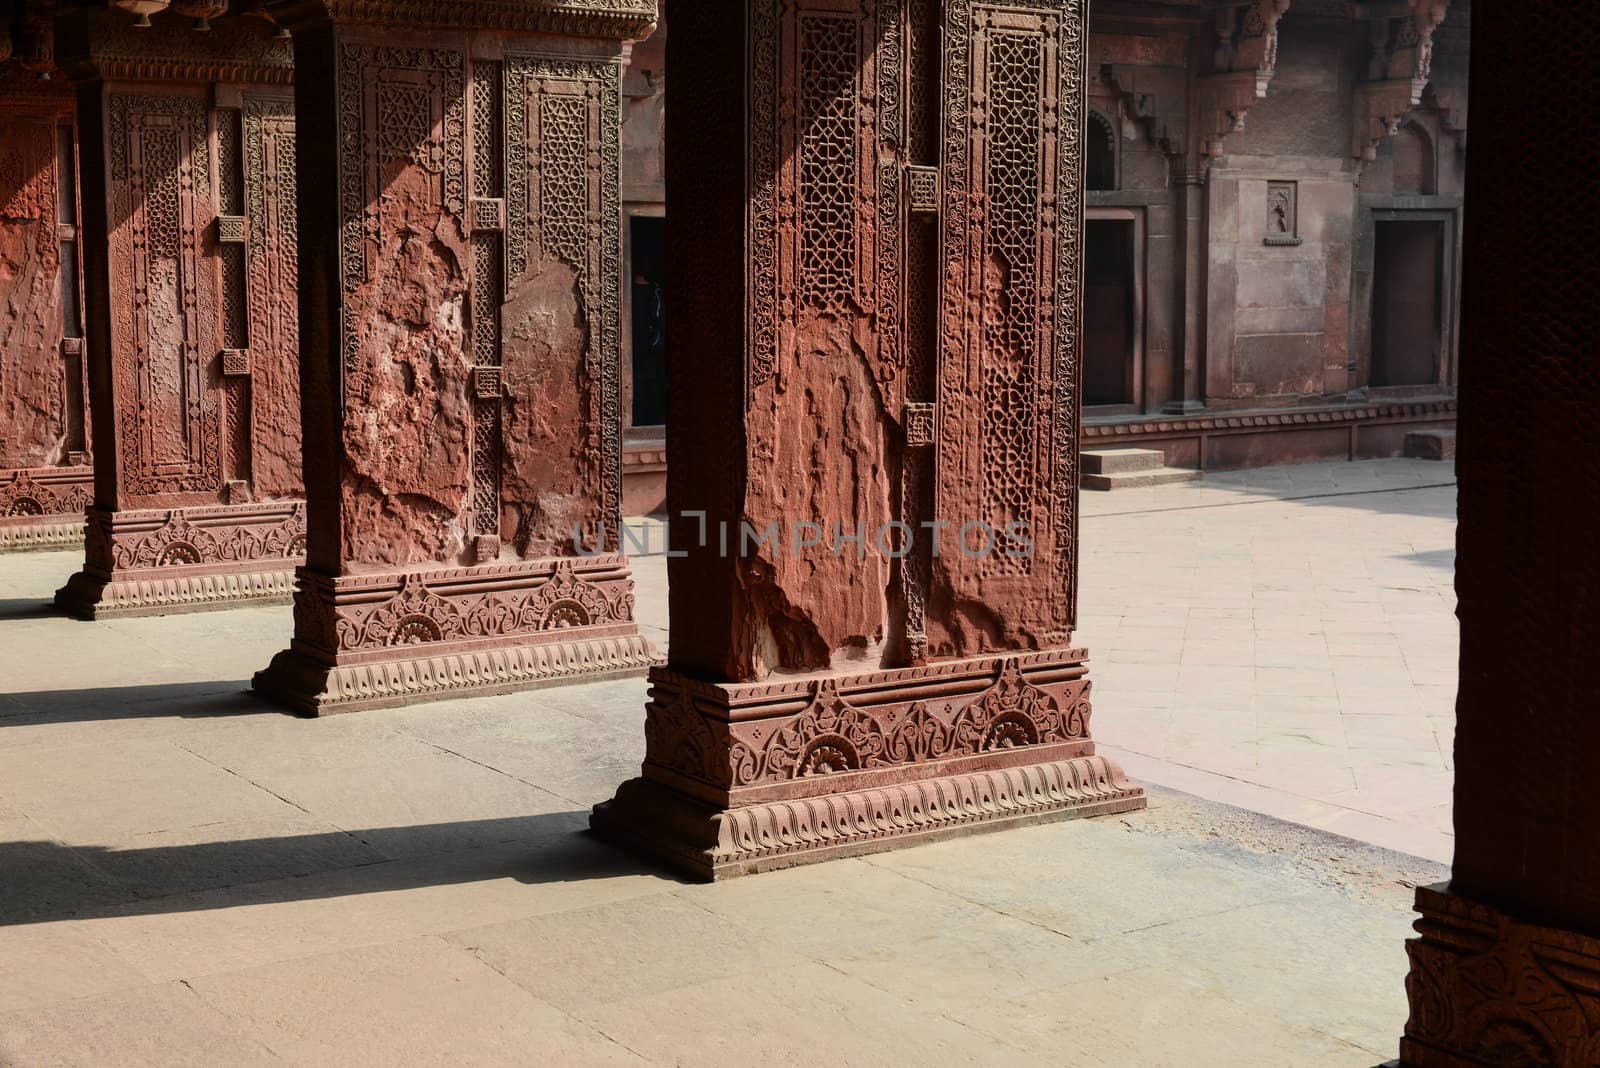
(189, 877)
(1285, 640)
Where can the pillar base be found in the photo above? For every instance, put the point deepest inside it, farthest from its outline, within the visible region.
(1487, 990)
(167, 561)
(42, 508)
(745, 778)
(707, 843)
(377, 641)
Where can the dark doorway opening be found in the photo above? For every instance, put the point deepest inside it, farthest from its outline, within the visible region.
(1407, 303)
(1108, 303)
(648, 237)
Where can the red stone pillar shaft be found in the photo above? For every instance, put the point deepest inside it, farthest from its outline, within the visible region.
(461, 224)
(1506, 966)
(879, 206)
(45, 477)
(190, 263)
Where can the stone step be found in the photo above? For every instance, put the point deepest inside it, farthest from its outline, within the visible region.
(1159, 476)
(1121, 461)
(1431, 444)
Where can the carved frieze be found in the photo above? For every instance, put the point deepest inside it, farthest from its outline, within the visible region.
(834, 734)
(463, 605)
(191, 539)
(24, 495)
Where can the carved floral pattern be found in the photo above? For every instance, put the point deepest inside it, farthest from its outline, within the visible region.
(833, 736)
(26, 496)
(181, 541)
(419, 614)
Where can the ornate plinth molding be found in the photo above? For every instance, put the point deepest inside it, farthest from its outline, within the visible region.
(709, 843)
(162, 561)
(1487, 991)
(43, 508)
(739, 779)
(373, 641)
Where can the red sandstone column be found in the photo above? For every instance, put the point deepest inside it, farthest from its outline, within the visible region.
(460, 225)
(881, 329)
(190, 259)
(1506, 966)
(45, 478)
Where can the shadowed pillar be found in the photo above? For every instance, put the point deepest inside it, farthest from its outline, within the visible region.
(187, 160)
(1506, 966)
(878, 210)
(460, 229)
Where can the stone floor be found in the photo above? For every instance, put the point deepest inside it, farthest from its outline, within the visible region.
(190, 877)
(1284, 639)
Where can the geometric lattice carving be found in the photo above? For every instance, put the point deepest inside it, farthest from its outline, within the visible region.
(488, 214)
(919, 420)
(235, 362)
(232, 229)
(922, 185)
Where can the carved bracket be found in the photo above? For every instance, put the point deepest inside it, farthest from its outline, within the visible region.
(1399, 64)
(1144, 108)
(1244, 62)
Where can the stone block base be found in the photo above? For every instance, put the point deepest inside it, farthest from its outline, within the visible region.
(42, 508)
(380, 640)
(161, 562)
(742, 778)
(708, 843)
(1487, 991)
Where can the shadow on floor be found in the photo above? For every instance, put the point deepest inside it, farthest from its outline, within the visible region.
(46, 881)
(186, 700)
(28, 608)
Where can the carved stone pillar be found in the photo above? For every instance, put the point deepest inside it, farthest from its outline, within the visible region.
(45, 477)
(461, 224)
(1506, 966)
(190, 263)
(882, 207)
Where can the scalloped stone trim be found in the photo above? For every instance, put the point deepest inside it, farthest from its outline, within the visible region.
(88, 597)
(31, 537)
(707, 843)
(316, 689)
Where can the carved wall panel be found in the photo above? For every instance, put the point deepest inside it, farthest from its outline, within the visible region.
(166, 332)
(562, 312)
(1008, 388)
(406, 368)
(43, 419)
(273, 281)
